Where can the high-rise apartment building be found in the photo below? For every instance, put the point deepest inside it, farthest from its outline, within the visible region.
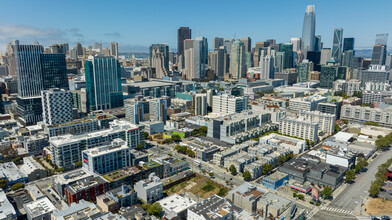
(299, 127)
(325, 55)
(98, 46)
(267, 65)
(308, 30)
(159, 59)
(348, 44)
(183, 33)
(326, 122)
(103, 82)
(154, 109)
(296, 41)
(200, 104)
(237, 60)
(200, 57)
(227, 104)
(57, 106)
(303, 70)
(114, 49)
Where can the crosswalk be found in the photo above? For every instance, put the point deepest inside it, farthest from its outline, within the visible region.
(333, 209)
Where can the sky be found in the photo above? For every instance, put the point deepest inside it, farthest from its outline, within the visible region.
(135, 24)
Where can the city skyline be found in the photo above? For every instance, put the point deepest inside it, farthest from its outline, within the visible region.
(135, 30)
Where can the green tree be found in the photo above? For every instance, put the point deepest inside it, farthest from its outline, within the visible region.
(374, 189)
(267, 168)
(17, 160)
(176, 138)
(146, 135)
(155, 209)
(181, 149)
(337, 127)
(17, 186)
(222, 192)
(350, 175)
(247, 176)
(3, 183)
(190, 153)
(232, 169)
(211, 174)
(139, 147)
(327, 192)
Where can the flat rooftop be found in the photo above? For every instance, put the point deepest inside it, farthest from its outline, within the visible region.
(176, 203)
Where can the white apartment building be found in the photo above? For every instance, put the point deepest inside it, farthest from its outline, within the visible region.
(227, 104)
(306, 103)
(347, 86)
(326, 122)
(299, 127)
(200, 104)
(150, 190)
(57, 106)
(364, 114)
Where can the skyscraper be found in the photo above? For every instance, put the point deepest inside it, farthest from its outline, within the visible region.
(337, 44)
(267, 67)
(296, 41)
(308, 30)
(303, 70)
(217, 42)
(326, 54)
(237, 60)
(159, 59)
(247, 42)
(98, 46)
(200, 104)
(114, 49)
(200, 57)
(57, 106)
(381, 39)
(279, 61)
(188, 59)
(348, 44)
(218, 62)
(79, 49)
(317, 43)
(287, 48)
(348, 59)
(103, 82)
(182, 34)
(227, 44)
(54, 71)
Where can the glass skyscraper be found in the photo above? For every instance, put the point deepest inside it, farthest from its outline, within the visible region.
(103, 82)
(337, 44)
(54, 70)
(348, 44)
(182, 34)
(308, 30)
(237, 60)
(287, 48)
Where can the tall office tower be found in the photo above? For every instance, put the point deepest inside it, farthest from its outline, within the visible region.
(54, 71)
(200, 57)
(247, 42)
(30, 82)
(348, 44)
(267, 64)
(57, 48)
(227, 44)
(287, 48)
(381, 39)
(330, 73)
(158, 110)
(317, 43)
(114, 49)
(188, 43)
(326, 54)
(248, 60)
(279, 61)
(200, 104)
(348, 59)
(257, 54)
(217, 42)
(337, 44)
(379, 54)
(314, 57)
(10, 60)
(303, 70)
(79, 49)
(66, 47)
(98, 46)
(296, 41)
(218, 62)
(308, 29)
(103, 82)
(188, 59)
(388, 61)
(237, 60)
(159, 59)
(57, 106)
(183, 33)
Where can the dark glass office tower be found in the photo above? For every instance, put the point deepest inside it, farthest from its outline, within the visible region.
(348, 44)
(287, 48)
(54, 70)
(182, 34)
(314, 56)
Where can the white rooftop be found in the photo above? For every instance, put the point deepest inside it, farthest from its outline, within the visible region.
(176, 203)
(343, 136)
(39, 207)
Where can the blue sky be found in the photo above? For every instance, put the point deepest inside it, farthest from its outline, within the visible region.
(135, 24)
